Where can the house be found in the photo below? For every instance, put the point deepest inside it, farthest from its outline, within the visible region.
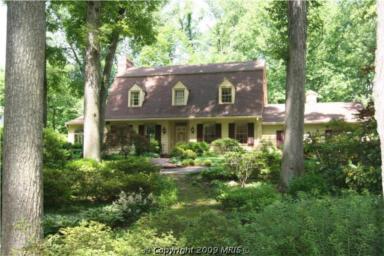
(202, 103)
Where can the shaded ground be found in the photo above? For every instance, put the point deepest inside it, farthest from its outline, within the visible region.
(193, 199)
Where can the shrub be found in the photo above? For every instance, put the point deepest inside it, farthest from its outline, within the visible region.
(217, 173)
(242, 165)
(269, 160)
(185, 162)
(349, 225)
(132, 165)
(57, 187)
(359, 177)
(311, 183)
(225, 145)
(253, 197)
(56, 150)
(222, 232)
(184, 150)
(357, 148)
(122, 212)
(93, 238)
(88, 180)
(208, 163)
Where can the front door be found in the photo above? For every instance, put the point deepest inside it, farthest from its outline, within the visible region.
(180, 133)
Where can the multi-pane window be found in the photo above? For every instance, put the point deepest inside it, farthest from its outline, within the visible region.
(135, 98)
(241, 132)
(79, 138)
(179, 97)
(209, 132)
(226, 95)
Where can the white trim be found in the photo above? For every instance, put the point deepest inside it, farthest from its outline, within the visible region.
(179, 85)
(136, 88)
(227, 84)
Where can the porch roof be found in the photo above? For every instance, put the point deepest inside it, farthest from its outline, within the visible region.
(315, 112)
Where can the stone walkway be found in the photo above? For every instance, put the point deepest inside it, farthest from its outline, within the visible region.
(169, 168)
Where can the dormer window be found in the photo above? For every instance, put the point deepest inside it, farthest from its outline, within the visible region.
(179, 94)
(179, 97)
(135, 96)
(226, 95)
(226, 92)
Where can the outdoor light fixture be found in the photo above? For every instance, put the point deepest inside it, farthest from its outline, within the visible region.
(193, 130)
(164, 130)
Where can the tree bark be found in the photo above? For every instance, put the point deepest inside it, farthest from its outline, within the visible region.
(105, 81)
(45, 96)
(293, 153)
(92, 84)
(22, 173)
(378, 88)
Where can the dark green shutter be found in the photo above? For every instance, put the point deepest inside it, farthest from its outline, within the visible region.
(141, 130)
(251, 134)
(231, 130)
(218, 131)
(199, 132)
(158, 133)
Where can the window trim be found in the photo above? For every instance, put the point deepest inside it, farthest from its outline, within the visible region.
(136, 88)
(180, 86)
(132, 100)
(227, 84)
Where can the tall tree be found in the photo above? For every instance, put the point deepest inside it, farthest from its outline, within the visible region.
(92, 85)
(378, 90)
(119, 19)
(22, 172)
(293, 153)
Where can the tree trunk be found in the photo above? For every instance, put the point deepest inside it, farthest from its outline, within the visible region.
(92, 83)
(378, 89)
(105, 81)
(23, 139)
(45, 96)
(293, 155)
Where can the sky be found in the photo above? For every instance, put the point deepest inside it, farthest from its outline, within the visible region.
(3, 33)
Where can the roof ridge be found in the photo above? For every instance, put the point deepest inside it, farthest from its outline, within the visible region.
(194, 68)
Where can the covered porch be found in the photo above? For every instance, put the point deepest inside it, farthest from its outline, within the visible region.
(169, 132)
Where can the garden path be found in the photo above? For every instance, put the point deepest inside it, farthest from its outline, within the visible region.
(194, 198)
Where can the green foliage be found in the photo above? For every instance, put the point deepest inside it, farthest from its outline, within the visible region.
(359, 177)
(56, 149)
(269, 160)
(93, 238)
(311, 183)
(349, 225)
(217, 173)
(190, 150)
(221, 231)
(242, 165)
(225, 145)
(57, 184)
(357, 165)
(132, 165)
(252, 197)
(88, 180)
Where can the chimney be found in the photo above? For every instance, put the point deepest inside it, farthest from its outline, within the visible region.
(311, 97)
(123, 64)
